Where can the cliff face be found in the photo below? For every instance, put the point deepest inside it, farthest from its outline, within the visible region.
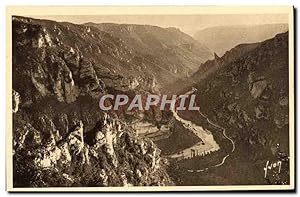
(60, 136)
(108, 155)
(249, 97)
(84, 57)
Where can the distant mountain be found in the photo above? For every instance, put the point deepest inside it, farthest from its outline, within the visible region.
(169, 47)
(211, 66)
(208, 67)
(220, 39)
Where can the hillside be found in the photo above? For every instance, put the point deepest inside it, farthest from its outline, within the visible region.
(60, 136)
(116, 60)
(220, 39)
(169, 47)
(211, 66)
(208, 67)
(249, 97)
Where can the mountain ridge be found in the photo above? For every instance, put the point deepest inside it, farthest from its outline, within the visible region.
(222, 38)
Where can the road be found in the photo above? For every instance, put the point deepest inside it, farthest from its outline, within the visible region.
(224, 158)
(202, 134)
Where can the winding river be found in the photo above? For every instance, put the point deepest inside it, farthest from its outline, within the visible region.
(205, 136)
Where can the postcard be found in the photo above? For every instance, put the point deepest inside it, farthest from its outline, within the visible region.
(161, 98)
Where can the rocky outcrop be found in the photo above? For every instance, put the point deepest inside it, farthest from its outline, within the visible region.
(257, 84)
(115, 157)
(15, 101)
(211, 66)
(258, 88)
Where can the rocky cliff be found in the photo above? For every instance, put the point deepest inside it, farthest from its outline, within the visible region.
(60, 136)
(250, 97)
(110, 154)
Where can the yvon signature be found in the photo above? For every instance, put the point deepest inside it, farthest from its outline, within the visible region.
(272, 166)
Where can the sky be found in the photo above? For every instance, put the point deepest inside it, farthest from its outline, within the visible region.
(186, 23)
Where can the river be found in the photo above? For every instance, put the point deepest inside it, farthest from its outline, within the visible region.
(207, 144)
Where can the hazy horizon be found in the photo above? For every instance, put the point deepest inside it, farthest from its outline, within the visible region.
(189, 24)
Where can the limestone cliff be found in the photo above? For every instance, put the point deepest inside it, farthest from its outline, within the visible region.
(60, 136)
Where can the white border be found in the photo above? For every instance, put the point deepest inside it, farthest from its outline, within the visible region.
(146, 10)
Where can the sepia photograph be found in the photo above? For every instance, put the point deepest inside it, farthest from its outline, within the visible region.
(167, 98)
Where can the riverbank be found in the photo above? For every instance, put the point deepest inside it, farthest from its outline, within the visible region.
(206, 146)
